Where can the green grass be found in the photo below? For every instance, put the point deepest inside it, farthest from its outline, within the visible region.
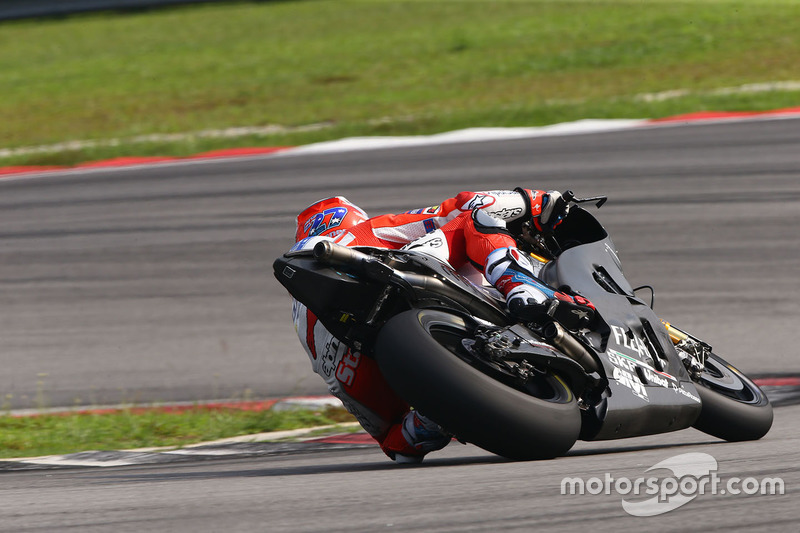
(425, 66)
(59, 434)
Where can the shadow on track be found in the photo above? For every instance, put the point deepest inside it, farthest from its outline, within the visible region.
(372, 466)
(383, 464)
(640, 448)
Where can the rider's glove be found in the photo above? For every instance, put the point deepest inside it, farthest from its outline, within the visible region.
(554, 210)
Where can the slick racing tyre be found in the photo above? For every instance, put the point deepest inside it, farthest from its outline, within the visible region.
(733, 407)
(422, 356)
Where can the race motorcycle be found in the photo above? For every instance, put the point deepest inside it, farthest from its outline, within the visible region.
(526, 389)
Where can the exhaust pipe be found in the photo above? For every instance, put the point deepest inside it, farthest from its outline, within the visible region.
(569, 345)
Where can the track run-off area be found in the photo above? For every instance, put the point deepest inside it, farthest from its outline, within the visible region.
(154, 284)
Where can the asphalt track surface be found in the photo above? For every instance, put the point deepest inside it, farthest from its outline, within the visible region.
(461, 488)
(156, 284)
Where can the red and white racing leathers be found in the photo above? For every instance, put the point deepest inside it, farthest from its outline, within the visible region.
(467, 229)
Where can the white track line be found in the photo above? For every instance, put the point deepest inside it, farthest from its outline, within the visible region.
(579, 127)
(216, 448)
(466, 136)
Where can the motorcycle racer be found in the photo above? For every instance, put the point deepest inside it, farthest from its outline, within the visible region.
(481, 229)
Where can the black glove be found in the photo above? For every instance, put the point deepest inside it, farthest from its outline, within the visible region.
(554, 210)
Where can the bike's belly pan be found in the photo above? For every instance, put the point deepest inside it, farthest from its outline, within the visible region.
(649, 391)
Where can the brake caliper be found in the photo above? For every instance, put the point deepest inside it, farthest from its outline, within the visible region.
(692, 351)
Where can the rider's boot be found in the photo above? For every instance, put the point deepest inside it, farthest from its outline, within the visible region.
(530, 299)
(572, 312)
(414, 437)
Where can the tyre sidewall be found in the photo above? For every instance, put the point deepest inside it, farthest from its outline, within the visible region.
(730, 420)
(466, 402)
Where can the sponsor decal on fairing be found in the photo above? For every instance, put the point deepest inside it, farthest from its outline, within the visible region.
(628, 380)
(625, 368)
(630, 341)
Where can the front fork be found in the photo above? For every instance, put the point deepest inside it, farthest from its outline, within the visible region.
(692, 351)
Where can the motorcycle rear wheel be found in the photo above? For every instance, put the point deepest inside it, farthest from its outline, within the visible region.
(421, 355)
(734, 408)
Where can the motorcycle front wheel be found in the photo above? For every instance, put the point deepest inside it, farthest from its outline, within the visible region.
(422, 356)
(733, 407)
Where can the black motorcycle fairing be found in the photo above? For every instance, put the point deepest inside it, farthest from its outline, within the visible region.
(352, 301)
(580, 227)
(644, 371)
(435, 280)
(340, 300)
